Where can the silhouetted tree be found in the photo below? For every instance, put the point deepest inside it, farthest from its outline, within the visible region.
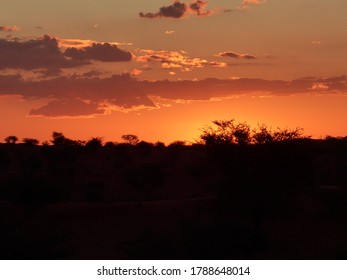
(288, 134)
(159, 144)
(30, 141)
(45, 143)
(109, 144)
(60, 139)
(177, 143)
(241, 133)
(131, 139)
(226, 132)
(78, 142)
(143, 144)
(11, 139)
(94, 142)
(221, 135)
(262, 135)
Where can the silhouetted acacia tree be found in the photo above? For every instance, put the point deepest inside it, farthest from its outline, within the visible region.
(241, 133)
(226, 132)
(60, 139)
(221, 135)
(262, 135)
(30, 141)
(131, 139)
(11, 139)
(289, 134)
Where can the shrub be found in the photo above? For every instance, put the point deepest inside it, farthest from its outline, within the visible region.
(11, 139)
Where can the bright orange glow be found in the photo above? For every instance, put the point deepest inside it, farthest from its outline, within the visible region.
(319, 115)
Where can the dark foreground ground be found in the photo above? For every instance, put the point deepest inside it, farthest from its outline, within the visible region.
(276, 201)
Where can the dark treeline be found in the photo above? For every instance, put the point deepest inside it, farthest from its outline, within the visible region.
(237, 193)
(225, 132)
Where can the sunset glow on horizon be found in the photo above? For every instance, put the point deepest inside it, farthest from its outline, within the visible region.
(164, 69)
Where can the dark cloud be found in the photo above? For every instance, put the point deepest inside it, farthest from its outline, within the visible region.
(34, 54)
(199, 7)
(176, 10)
(45, 53)
(98, 51)
(229, 54)
(67, 107)
(236, 55)
(179, 9)
(9, 84)
(118, 90)
(88, 95)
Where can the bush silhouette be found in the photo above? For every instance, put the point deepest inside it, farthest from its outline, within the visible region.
(177, 143)
(131, 139)
(110, 144)
(95, 142)
(11, 139)
(227, 132)
(60, 139)
(221, 135)
(288, 134)
(30, 141)
(262, 135)
(242, 133)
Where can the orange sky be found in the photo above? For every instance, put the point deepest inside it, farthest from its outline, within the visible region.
(162, 70)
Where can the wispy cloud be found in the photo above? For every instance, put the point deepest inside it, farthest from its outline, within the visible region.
(236, 55)
(89, 95)
(82, 43)
(175, 60)
(136, 72)
(247, 4)
(255, 2)
(316, 42)
(7, 28)
(169, 32)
